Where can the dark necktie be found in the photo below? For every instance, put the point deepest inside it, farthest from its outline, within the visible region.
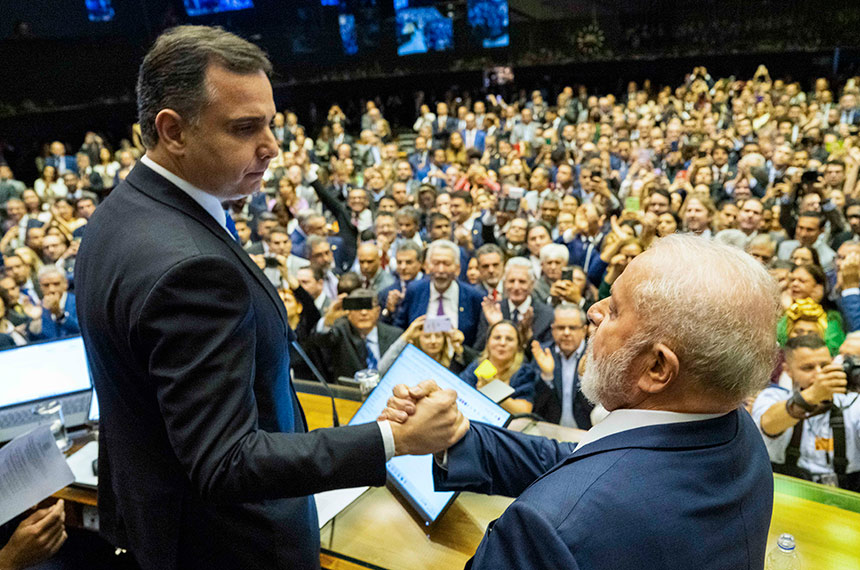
(231, 227)
(370, 360)
(515, 315)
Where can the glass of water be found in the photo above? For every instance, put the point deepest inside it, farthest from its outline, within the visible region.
(51, 414)
(367, 380)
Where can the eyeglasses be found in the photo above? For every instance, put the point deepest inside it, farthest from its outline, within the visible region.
(572, 328)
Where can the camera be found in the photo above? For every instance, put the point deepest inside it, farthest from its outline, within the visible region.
(851, 366)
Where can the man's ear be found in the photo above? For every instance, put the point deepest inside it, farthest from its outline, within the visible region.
(171, 131)
(662, 370)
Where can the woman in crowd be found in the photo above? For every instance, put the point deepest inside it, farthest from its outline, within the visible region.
(35, 207)
(288, 204)
(808, 284)
(107, 167)
(616, 258)
(504, 351)
(64, 218)
(48, 186)
(803, 255)
(455, 152)
(446, 348)
(667, 224)
(9, 334)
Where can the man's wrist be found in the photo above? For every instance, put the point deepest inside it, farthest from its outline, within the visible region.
(806, 399)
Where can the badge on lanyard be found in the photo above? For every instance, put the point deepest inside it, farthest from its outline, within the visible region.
(824, 444)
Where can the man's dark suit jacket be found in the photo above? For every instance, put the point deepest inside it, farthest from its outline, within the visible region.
(673, 497)
(341, 351)
(417, 299)
(548, 399)
(541, 323)
(440, 135)
(204, 462)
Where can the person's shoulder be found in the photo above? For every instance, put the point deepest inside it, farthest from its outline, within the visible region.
(471, 291)
(418, 285)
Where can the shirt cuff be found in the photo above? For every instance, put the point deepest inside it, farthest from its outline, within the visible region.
(547, 379)
(851, 291)
(387, 439)
(443, 463)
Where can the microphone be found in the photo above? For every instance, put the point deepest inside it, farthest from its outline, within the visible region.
(320, 379)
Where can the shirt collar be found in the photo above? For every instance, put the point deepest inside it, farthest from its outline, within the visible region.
(451, 293)
(522, 307)
(206, 200)
(623, 420)
(574, 355)
(373, 336)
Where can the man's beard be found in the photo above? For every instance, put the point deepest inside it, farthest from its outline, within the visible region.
(605, 379)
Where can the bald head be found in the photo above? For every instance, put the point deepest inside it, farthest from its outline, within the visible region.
(368, 260)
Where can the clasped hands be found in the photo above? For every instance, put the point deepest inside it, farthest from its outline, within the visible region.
(424, 419)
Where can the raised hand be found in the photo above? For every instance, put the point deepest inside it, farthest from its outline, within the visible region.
(544, 359)
(492, 311)
(393, 300)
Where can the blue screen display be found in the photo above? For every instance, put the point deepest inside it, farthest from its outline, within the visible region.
(348, 37)
(413, 474)
(488, 20)
(100, 10)
(421, 29)
(203, 7)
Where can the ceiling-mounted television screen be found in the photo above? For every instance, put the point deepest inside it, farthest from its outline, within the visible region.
(421, 28)
(204, 7)
(100, 10)
(488, 20)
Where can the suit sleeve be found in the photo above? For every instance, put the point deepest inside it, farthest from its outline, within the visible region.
(851, 309)
(401, 316)
(346, 230)
(204, 389)
(522, 538)
(497, 461)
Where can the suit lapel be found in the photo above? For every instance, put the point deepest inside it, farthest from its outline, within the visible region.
(147, 181)
(557, 378)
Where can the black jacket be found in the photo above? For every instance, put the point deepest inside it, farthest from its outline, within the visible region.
(204, 462)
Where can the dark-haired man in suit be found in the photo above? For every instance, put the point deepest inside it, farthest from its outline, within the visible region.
(204, 459)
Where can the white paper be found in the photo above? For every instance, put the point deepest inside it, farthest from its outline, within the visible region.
(437, 324)
(331, 503)
(81, 464)
(31, 469)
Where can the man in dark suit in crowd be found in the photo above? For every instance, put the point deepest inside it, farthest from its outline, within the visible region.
(517, 305)
(557, 397)
(59, 314)
(408, 258)
(443, 126)
(204, 462)
(676, 457)
(358, 339)
(61, 162)
(440, 294)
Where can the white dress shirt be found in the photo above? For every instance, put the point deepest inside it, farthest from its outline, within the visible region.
(622, 420)
(372, 343)
(212, 205)
(568, 375)
(450, 302)
(521, 308)
(206, 200)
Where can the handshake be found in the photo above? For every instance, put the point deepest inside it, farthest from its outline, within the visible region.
(424, 419)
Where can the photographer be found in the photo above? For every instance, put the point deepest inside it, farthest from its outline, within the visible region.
(814, 432)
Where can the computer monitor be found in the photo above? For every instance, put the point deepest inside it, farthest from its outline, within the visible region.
(43, 370)
(412, 475)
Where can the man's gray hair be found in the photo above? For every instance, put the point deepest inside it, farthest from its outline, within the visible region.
(566, 306)
(554, 251)
(312, 242)
(521, 262)
(762, 240)
(716, 307)
(51, 271)
(444, 244)
(173, 73)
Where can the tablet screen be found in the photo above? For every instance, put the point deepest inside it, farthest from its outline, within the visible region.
(412, 475)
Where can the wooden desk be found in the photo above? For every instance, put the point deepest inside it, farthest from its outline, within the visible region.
(379, 530)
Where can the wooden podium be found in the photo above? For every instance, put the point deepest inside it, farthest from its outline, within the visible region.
(378, 531)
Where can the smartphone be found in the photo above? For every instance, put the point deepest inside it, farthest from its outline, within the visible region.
(271, 262)
(516, 192)
(632, 203)
(357, 303)
(438, 324)
(510, 204)
(567, 274)
(810, 177)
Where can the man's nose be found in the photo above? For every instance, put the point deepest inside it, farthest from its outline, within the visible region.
(597, 312)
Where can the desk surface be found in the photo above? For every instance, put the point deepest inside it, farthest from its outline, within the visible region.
(378, 529)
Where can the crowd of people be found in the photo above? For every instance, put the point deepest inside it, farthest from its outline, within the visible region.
(510, 219)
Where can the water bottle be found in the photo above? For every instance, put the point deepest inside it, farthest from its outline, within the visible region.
(784, 555)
